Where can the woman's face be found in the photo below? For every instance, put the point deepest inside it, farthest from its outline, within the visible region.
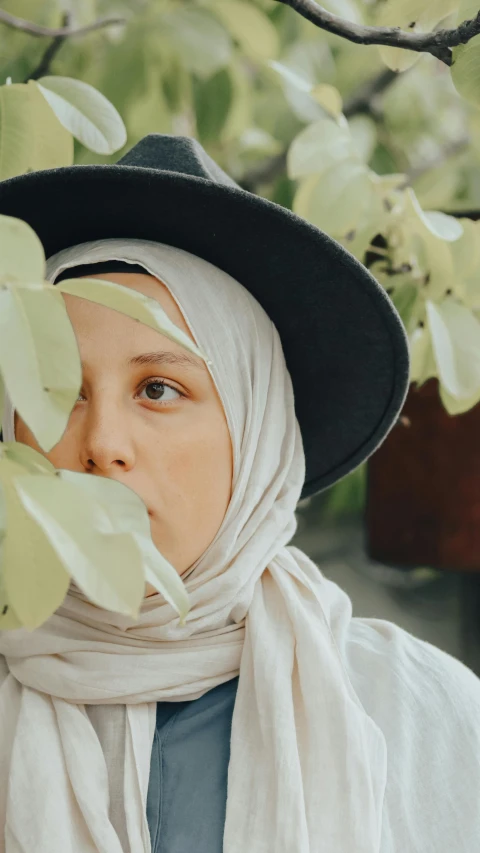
(170, 444)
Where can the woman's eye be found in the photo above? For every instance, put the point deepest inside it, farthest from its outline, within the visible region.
(157, 391)
(160, 391)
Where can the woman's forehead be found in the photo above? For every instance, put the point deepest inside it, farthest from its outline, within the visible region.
(142, 282)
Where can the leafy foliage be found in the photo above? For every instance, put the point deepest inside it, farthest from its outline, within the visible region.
(378, 146)
(44, 543)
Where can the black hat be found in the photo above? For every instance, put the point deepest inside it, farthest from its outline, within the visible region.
(344, 343)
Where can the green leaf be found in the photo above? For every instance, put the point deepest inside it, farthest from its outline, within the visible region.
(31, 137)
(2, 400)
(43, 387)
(358, 239)
(415, 16)
(8, 617)
(256, 141)
(466, 57)
(174, 78)
(466, 10)
(149, 112)
(34, 580)
(338, 198)
(308, 100)
(398, 59)
(318, 147)
(212, 99)
(104, 563)
(202, 42)
(143, 308)
(454, 406)
(329, 98)
(346, 9)
(466, 250)
(21, 253)
(425, 239)
(103, 542)
(35, 327)
(404, 298)
(433, 257)
(363, 131)
(439, 224)
(240, 114)
(466, 70)
(128, 514)
(85, 112)
(422, 361)
(291, 76)
(31, 461)
(251, 28)
(435, 11)
(438, 187)
(456, 346)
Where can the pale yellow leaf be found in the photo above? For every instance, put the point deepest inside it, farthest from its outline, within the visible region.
(329, 98)
(339, 198)
(203, 44)
(456, 345)
(466, 70)
(128, 514)
(34, 329)
(31, 136)
(21, 253)
(35, 581)
(318, 147)
(130, 302)
(251, 28)
(85, 113)
(105, 564)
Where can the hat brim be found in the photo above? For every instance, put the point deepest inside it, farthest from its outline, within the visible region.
(344, 343)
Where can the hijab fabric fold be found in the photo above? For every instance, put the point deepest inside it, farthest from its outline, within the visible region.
(308, 765)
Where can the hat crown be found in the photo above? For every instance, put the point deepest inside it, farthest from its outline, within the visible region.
(184, 154)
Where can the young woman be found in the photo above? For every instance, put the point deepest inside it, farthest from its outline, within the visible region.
(273, 721)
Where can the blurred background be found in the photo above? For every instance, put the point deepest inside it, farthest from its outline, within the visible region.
(376, 145)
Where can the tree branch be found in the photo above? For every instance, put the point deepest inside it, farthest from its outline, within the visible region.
(264, 173)
(55, 32)
(361, 100)
(437, 43)
(464, 214)
(453, 148)
(51, 51)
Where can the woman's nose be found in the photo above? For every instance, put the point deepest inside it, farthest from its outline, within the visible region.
(106, 439)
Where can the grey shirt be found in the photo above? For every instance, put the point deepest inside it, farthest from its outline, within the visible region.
(187, 791)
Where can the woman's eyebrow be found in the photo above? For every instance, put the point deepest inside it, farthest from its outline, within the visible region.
(165, 357)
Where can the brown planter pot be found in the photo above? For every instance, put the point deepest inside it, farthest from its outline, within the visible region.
(423, 488)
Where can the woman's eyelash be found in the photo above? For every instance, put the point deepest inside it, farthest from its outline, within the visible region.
(163, 384)
(153, 380)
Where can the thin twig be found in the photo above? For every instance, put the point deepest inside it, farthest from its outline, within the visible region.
(450, 150)
(264, 173)
(55, 32)
(438, 43)
(361, 100)
(44, 65)
(464, 214)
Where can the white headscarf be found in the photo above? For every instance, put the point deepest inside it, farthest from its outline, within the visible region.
(308, 764)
